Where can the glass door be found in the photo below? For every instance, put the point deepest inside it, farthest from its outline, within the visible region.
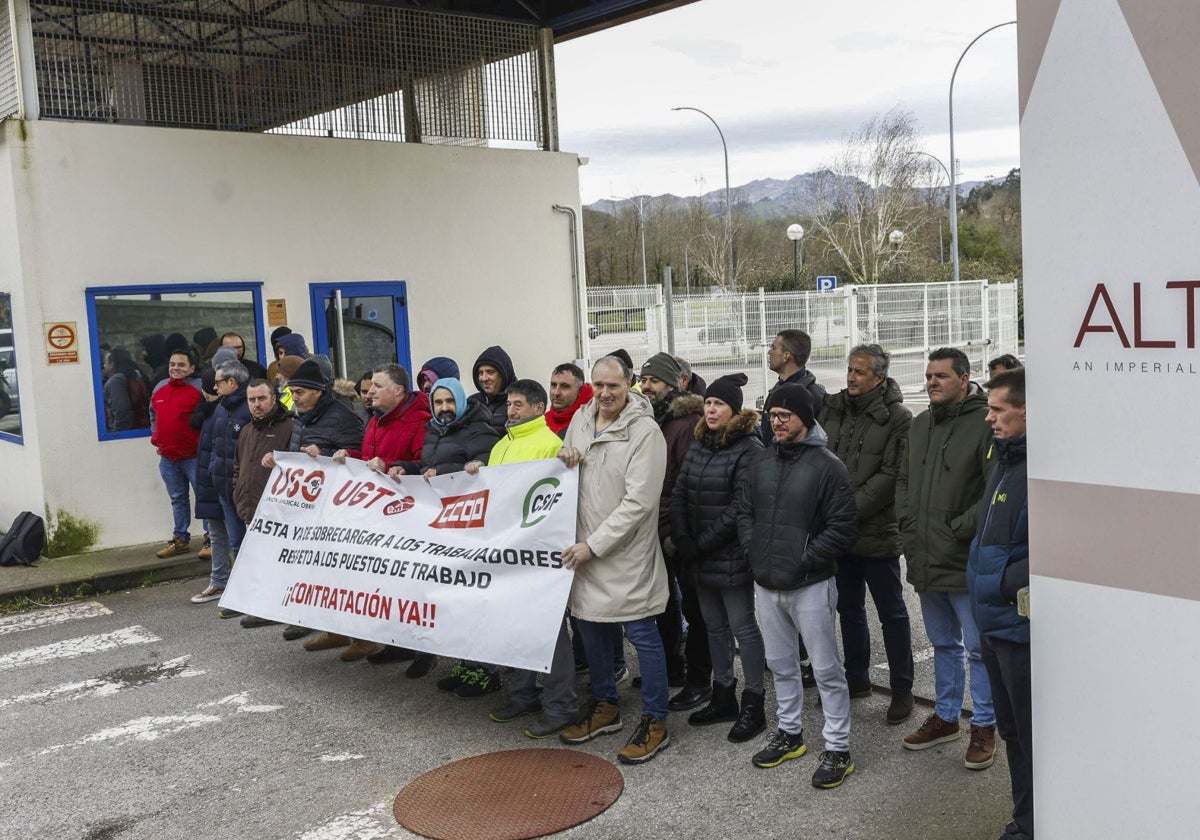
(360, 325)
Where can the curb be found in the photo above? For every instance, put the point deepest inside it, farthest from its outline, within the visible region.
(111, 579)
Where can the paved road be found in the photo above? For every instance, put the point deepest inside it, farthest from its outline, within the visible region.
(139, 715)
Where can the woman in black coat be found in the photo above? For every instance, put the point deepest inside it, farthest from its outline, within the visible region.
(704, 531)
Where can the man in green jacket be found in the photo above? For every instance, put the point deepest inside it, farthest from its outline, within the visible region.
(528, 438)
(937, 501)
(867, 425)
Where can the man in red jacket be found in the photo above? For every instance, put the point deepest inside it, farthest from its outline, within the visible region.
(171, 406)
(568, 391)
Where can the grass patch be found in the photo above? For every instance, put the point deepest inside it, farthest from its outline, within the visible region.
(68, 534)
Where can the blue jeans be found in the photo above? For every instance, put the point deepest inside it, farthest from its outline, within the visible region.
(220, 553)
(234, 526)
(652, 662)
(881, 575)
(951, 628)
(618, 643)
(177, 475)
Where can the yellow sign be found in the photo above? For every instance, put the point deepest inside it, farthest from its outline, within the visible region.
(276, 312)
(62, 343)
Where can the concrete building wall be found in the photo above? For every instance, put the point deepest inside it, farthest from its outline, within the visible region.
(1110, 153)
(471, 231)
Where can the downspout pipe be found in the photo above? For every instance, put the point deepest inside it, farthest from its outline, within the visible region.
(575, 296)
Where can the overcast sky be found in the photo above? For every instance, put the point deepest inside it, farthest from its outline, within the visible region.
(786, 80)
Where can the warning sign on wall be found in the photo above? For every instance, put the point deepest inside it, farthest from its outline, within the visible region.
(62, 343)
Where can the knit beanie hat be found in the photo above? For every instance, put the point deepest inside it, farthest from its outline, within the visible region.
(624, 356)
(728, 389)
(308, 375)
(224, 354)
(288, 366)
(324, 364)
(278, 333)
(794, 398)
(664, 367)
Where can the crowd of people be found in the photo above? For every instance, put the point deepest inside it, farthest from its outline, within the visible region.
(762, 532)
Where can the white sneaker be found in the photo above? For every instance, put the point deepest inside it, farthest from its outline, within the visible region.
(209, 593)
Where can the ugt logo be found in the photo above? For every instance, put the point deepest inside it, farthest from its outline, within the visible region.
(462, 511)
(542, 496)
(297, 480)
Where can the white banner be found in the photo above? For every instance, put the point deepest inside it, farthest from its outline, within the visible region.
(462, 566)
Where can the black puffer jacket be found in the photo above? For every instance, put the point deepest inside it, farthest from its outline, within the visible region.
(796, 514)
(331, 425)
(869, 433)
(448, 448)
(231, 414)
(496, 404)
(208, 506)
(702, 504)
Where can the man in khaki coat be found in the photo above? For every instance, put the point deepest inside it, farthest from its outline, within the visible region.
(620, 576)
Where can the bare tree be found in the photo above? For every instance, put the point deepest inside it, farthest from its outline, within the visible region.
(868, 191)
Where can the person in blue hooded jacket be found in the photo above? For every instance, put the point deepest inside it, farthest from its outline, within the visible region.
(459, 432)
(439, 367)
(997, 569)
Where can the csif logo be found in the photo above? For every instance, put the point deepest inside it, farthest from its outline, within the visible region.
(466, 511)
(298, 481)
(399, 506)
(542, 496)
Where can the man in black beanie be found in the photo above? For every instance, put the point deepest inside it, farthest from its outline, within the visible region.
(677, 413)
(796, 517)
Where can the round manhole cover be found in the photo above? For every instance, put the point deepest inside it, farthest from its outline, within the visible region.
(508, 795)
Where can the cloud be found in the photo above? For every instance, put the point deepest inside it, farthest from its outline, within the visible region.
(704, 52)
(864, 42)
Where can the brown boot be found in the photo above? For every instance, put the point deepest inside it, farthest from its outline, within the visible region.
(360, 649)
(651, 737)
(933, 731)
(981, 751)
(326, 641)
(901, 707)
(174, 548)
(602, 717)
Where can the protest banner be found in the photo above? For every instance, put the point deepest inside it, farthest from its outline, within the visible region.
(463, 566)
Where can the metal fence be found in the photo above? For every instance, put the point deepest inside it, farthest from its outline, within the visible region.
(720, 334)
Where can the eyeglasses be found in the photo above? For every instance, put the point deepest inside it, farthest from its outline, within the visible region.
(781, 418)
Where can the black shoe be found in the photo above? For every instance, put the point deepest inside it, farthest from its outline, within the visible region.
(751, 721)
(389, 655)
(476, 683)
(250, 621)
(691, 697)
(636, 682)
(677, 677)
(835, 767)
(421, 665)
(807, 678)
(581, 667)
(226, 612)
(859, 690)
(295, 631)
(722, 708)
(781, 747)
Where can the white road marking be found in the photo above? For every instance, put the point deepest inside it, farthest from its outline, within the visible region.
(241, 700)
(151, 727)
(375, 823)
(81, 646)
(919, 656)
(110, 683)
(52, 615)
(340, 757)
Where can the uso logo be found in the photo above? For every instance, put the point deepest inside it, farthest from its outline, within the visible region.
(542, 496)
(298, 482)
(462, 511)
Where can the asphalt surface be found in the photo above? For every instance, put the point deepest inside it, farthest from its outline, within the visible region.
(140, 715)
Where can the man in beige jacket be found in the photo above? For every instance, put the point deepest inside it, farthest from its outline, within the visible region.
(620, 576)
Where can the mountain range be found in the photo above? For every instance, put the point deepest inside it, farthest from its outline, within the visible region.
(766, 197)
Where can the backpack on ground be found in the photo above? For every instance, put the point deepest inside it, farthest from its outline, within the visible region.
(23, 543)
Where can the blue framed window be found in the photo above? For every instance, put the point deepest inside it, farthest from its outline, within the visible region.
(10, 396)
(131, 328)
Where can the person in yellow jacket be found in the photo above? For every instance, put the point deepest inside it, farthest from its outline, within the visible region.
(528, 438)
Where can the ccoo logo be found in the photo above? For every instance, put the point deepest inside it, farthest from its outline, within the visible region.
(540, 499)
(462, 511)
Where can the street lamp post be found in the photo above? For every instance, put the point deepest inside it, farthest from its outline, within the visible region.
(896, 237)
(728, 202)
(941, 256)
(953, 163)
(795, 232)
(641, 229)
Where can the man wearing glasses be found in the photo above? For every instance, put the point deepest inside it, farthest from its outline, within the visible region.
(796, 516)
(232, 339)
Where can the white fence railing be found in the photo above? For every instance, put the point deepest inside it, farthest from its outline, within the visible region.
(720, 334)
